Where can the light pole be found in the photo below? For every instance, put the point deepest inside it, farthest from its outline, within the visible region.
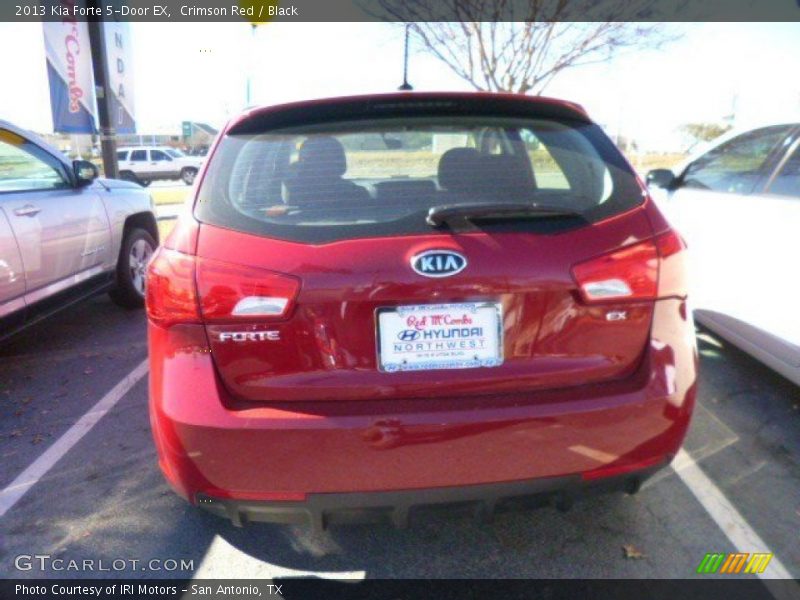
(108, 137)
(405, 86)
(251, 61)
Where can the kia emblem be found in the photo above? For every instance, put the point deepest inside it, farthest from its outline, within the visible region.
(438, 263)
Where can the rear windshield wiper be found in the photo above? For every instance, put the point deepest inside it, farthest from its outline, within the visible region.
(450, 213)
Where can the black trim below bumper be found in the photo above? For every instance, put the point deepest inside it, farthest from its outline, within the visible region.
(321, 510)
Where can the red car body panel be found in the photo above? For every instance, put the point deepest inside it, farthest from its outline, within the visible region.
(576, 394)
(208, 444)
(550, 339)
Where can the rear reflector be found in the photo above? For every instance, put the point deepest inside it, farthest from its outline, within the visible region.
(230, 292)
(211, 494)
(620, 469)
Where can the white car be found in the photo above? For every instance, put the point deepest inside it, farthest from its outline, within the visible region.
(737, 204)
(66, 234)
(144, 164)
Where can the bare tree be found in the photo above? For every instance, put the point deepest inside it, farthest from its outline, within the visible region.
(522, 45)
(704, 132)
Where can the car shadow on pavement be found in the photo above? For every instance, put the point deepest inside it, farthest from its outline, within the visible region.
(93, 323)
(587, 541)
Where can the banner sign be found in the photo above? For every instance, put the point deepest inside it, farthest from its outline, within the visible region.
(119, 52)
(69, 71)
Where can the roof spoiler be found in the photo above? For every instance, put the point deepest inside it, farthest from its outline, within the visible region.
(353, 108)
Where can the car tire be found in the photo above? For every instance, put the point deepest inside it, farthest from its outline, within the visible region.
(137, 248)
(188, 174)
(144, 182)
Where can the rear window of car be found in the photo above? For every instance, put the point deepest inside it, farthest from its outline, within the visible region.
(346, 180)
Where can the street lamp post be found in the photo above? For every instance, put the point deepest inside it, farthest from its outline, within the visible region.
(251, 66)
(108, 139)
(405, 87)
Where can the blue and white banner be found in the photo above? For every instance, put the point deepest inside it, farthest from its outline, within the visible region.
(69, 70)
(119, 53)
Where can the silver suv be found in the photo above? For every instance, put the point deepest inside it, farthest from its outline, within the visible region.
(144, 164)
(64, 233)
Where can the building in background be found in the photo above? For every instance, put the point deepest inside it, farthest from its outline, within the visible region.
(197, 137)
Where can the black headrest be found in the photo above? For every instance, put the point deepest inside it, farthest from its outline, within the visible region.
(322, 157)
(507, 170)
(458, 168)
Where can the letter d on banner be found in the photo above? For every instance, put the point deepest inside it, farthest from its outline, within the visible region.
(69, 71)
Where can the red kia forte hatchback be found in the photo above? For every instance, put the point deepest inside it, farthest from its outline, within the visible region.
(383, 303)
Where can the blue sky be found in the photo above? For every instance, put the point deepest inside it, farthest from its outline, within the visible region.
(198, 72)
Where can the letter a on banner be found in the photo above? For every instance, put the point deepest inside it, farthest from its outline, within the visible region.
(69, 70)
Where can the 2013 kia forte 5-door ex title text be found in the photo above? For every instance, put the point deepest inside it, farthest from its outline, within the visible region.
(388, 302)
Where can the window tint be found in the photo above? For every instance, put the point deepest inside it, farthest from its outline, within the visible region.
(158, 155)
(787, 181)
(24, 166)
(122, 155)
(737, 165)
(346, 180)
(139, 155)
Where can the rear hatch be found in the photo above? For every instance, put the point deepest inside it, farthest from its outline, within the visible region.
(421, 253)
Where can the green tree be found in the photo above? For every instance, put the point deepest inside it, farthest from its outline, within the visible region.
(704, 132)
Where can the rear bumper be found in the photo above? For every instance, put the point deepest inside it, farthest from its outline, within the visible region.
(299, 460)
(399, 507)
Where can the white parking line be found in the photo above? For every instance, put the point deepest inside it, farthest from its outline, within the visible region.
(727, 518)
(38, 468)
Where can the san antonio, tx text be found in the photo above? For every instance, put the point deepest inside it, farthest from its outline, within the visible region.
(138, 590)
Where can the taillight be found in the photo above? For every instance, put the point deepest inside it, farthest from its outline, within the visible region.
(672, 272)
(224, 291)
(171, 297)
(230, 292)
(632, 273)
(627, 274)
(669, 243)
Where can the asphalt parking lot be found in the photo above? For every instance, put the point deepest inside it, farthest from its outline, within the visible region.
(104, 498)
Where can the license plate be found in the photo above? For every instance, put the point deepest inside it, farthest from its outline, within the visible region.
(440, 336)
